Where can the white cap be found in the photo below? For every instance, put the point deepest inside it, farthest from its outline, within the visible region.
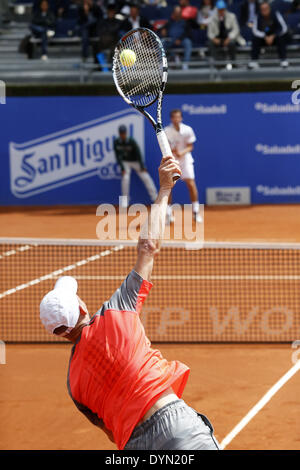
(60, 307)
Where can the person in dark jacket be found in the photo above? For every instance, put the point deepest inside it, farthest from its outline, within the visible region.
(5, 16)
(177, 33)
(89, 15)
(269, 29)
(109, 30)
(134, 20)
(248, 11)
(129, 157)
(43, 25)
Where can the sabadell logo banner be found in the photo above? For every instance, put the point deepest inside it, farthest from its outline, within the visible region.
(59, 150)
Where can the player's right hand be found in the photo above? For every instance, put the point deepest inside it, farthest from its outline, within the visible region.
(168, 166)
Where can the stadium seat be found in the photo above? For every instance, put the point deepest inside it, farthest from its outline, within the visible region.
(165, 12)
(199, 37)
(150, 12)
(64, 27)
(281, 5)
(293, 22)
(72, 11)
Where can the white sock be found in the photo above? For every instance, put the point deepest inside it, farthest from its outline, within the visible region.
(195, 206)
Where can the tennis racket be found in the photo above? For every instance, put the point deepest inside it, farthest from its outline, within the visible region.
(142, 81)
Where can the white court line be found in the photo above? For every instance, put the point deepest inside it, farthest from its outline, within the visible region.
(15, 252)
(200, 278)
(59, 272)
(259, 405)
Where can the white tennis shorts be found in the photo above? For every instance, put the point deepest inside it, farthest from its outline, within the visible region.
(187, 167)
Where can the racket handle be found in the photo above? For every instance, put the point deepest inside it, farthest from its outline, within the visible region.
(166, 149)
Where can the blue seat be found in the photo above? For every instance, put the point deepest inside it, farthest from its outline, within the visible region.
(281, 5)
(72, 11)
(165, 12)
(199, 37)
(151, 12)
(64, 26)
(293, 22)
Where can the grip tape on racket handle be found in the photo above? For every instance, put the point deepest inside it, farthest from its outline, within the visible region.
(166, 149)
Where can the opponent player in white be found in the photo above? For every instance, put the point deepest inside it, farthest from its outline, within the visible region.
(181, 138)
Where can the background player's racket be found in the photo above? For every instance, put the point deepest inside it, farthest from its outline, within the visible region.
(140, 71)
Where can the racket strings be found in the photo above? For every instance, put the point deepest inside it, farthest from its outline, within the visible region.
(141, 82)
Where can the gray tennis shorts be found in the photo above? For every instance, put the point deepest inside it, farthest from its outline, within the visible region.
(175, 426)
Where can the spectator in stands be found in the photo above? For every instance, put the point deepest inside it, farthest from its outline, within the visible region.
(89, 15)
(4, 12)
(269, 29)
(43, 26)
(223, 33)
(176, 33)
(204, 17)
(248, 11)
(109, 32)
(205, 13)
(134, 20)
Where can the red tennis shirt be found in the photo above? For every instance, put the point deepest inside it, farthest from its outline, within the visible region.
(114, 375)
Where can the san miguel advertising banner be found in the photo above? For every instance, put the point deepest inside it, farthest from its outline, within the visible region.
(59, 150)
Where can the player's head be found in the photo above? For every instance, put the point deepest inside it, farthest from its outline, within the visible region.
(265, 8)
(177, 13)
(44, 5)
(111, 9)
(62, 312)
(176, 116)
(134, 9)
(123, 132)
(221, 7)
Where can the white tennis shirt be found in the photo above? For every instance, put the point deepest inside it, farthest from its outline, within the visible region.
(180, 139)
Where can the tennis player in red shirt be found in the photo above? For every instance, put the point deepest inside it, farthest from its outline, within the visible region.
(115, 378)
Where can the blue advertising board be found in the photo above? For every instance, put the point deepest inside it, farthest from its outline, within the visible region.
(59, 150)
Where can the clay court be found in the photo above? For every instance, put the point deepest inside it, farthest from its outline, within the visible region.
(226, 379)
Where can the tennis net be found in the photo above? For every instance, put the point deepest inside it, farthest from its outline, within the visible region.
(224, 292)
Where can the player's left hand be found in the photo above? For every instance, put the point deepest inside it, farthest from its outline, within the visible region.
(168, 167)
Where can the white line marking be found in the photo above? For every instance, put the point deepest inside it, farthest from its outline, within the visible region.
(59, 272)
(259, 405)
(200, 278)
(15, 252)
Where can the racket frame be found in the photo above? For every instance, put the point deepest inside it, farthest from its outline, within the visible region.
(157, 125)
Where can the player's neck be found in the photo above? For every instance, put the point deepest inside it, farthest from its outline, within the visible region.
(76, 331)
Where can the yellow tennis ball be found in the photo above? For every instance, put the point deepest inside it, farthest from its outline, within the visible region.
(127, 58)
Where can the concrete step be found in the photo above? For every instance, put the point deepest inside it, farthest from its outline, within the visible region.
(15, 35)
(7, 49)
(7, 43)
(41, 77)
(38, 65)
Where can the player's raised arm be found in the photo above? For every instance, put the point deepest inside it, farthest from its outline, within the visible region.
(153, 229)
